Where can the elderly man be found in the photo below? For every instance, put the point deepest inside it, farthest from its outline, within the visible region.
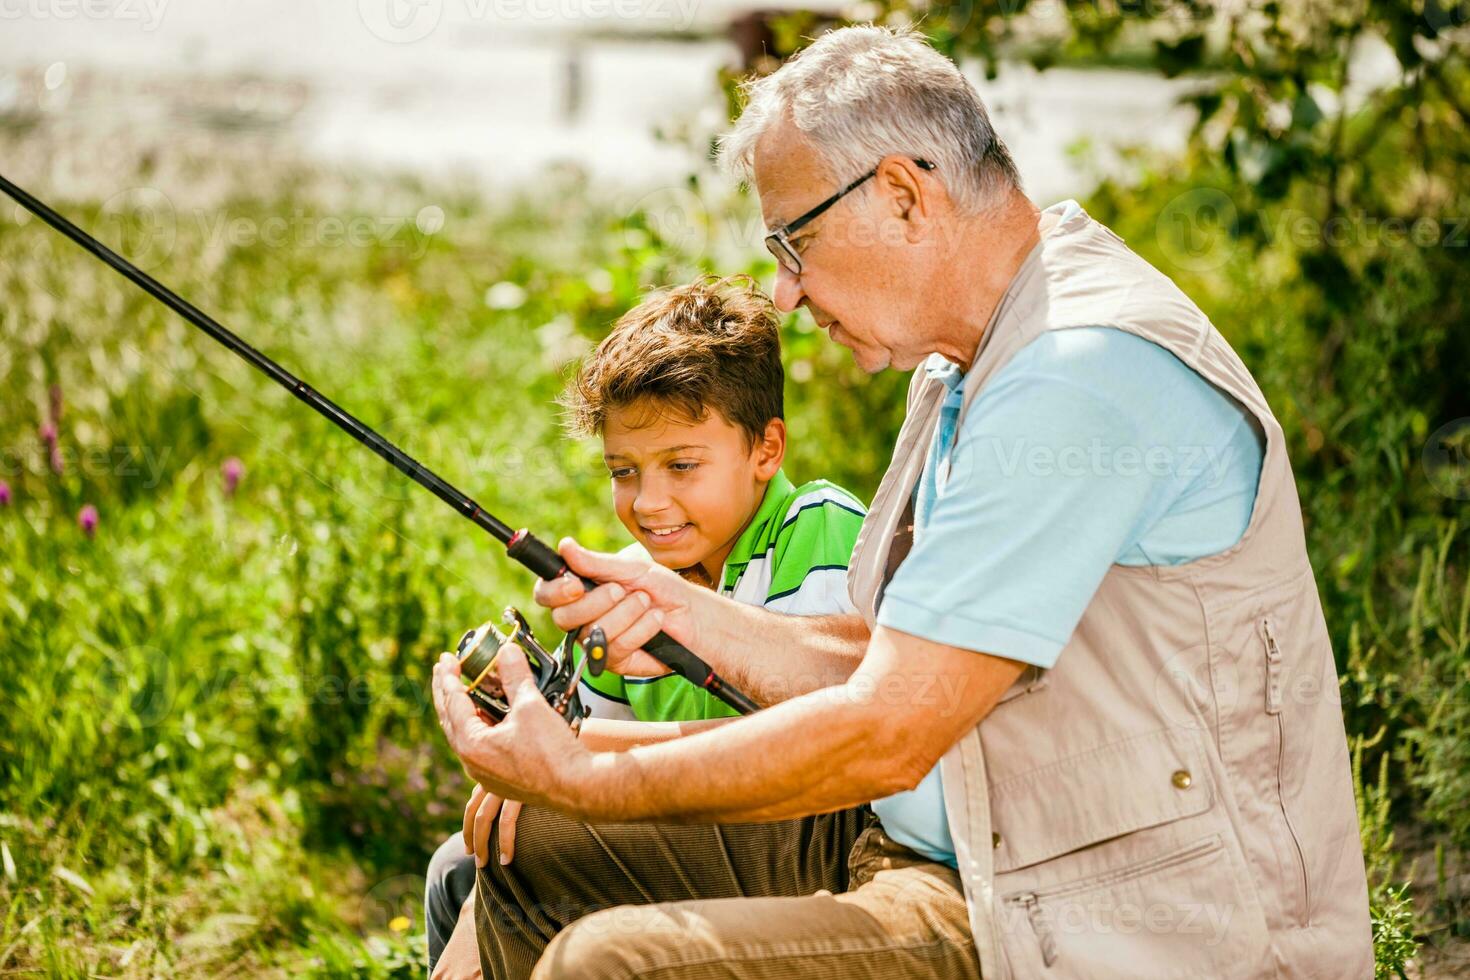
(1090, 692)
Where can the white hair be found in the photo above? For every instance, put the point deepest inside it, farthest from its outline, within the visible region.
(860, 94)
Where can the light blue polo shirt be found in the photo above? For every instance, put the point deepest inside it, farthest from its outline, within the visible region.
(1091, 447)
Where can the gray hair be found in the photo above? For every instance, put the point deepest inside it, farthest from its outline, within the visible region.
(863, 93)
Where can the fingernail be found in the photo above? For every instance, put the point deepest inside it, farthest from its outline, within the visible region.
(643, 598)
(658, 617)
(504, 859)
(617, 592)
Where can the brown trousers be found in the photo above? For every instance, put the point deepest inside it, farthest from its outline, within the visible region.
(828, 896)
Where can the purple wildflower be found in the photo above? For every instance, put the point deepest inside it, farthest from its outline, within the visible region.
(5, 497)
(50, 437)
(87, 519)
(232, 470)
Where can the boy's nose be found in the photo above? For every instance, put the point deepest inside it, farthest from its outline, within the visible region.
(651, 501)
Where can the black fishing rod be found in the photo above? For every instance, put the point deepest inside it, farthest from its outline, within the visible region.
(520, 544)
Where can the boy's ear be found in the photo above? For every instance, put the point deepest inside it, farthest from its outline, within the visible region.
(770, 451)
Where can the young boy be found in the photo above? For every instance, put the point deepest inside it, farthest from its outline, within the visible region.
(687, 395)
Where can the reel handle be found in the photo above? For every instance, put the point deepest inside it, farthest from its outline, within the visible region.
(539, 557)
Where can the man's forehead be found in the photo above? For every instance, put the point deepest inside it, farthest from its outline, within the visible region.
(789, 174)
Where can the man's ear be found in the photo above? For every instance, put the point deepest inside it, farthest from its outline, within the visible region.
(899, 180)
(770, 450)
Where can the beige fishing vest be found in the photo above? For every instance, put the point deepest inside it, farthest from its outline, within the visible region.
(1173, 798)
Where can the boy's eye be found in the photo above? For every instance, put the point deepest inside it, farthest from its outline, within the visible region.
(684, 466)
(620, 472)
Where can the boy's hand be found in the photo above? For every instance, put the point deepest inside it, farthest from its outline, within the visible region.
(636, 600)
(479, 814)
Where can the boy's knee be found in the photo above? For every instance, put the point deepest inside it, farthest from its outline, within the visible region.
(451, 875)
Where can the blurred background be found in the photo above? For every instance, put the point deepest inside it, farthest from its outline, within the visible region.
(217, 614)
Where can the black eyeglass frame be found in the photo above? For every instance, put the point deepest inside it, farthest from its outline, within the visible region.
(779, 244)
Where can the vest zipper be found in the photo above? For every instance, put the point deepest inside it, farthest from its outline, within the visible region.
(1036, 913)
(1273, 669)
(1273, 707)
(1045, 938)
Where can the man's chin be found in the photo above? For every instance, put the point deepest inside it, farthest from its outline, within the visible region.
(871, 361)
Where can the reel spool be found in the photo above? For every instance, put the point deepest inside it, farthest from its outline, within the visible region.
(556, 676)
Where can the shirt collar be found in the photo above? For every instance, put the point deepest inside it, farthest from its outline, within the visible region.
(778, 491)
(938, 369)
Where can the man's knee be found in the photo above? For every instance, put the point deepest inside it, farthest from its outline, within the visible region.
(619, 943)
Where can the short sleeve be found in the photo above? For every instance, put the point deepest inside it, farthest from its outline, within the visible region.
(812, 551)
(606, 695)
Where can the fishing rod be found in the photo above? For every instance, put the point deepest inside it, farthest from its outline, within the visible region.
(520, 545)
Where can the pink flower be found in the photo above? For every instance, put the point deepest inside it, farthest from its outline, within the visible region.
(57, 465)
(5, 497)
(48, 434)
(232, 470)
(87, 519)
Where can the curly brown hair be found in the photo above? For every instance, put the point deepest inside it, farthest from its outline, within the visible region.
(713, 344)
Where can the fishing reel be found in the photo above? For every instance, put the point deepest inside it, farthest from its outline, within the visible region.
(557, 675)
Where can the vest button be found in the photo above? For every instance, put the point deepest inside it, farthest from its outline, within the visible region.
(1182, 779)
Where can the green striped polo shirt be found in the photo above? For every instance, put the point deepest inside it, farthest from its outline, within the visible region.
(792, 557)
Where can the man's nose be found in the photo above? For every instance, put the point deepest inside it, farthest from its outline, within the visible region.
(788, 293)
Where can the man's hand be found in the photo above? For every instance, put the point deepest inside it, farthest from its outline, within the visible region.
(479, 814)
(531, 755)
(636, 600)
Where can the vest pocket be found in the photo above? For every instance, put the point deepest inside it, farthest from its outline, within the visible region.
(1175, 915)
(1275, 669)
(1118, 862)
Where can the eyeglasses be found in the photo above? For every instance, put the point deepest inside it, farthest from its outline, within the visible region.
(778, 242)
